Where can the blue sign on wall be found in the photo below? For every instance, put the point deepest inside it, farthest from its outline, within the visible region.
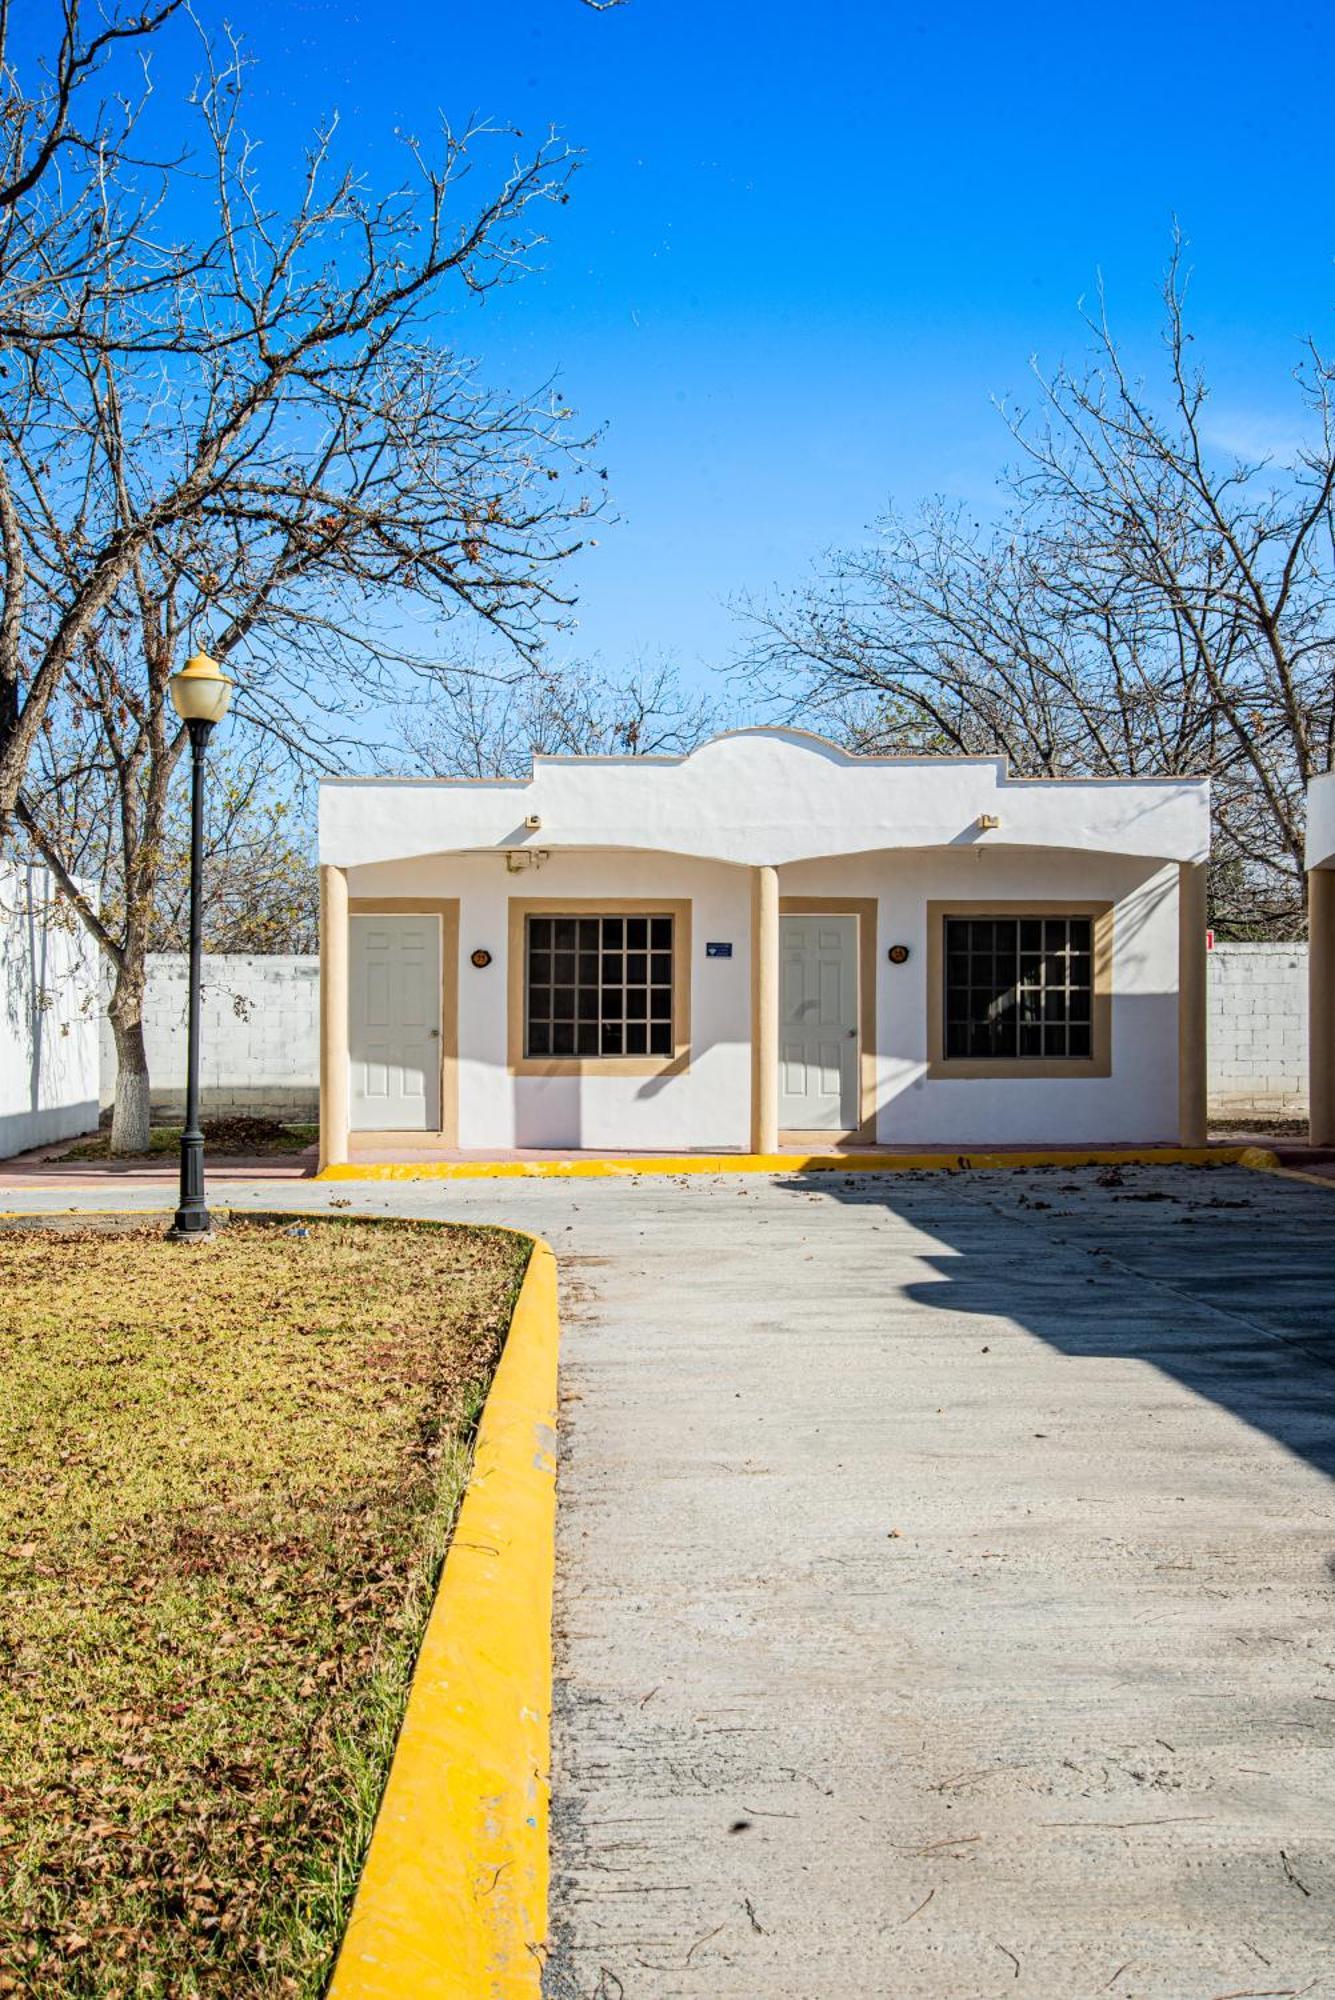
(718, 951)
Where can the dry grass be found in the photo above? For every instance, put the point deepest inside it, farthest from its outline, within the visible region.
(230, 1474)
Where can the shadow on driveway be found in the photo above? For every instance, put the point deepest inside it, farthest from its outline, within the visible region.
(1223, 1279)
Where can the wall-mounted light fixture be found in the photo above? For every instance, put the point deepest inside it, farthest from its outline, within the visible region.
(481, 959)
(987, 822)
(533, 823)
(898, 954)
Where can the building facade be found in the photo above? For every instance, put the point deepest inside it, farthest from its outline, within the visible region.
(766, 942)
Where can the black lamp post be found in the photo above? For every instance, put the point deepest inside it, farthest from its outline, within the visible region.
(200, 694)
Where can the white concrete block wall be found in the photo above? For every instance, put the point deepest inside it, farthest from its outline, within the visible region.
(48, 1015)
(1257, 1025)
(261, 1026)
(260, 1045)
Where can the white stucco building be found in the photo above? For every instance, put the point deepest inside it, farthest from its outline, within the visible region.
(762, 943)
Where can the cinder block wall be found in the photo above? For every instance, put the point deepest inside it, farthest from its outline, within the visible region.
(1257, 998)
(262, 1050)
(48, 1014)
(260, 1042)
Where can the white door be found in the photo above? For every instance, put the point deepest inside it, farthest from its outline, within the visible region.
(818, 1024)
(394, 1023)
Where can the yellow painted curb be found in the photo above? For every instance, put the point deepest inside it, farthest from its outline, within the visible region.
(1267, 1162)
(452, 1903)
(783, 1163)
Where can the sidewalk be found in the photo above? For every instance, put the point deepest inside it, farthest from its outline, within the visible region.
(43, 1167)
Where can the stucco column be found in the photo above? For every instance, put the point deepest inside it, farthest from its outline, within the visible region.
(1321, 1005)
(764, 1010)
(1191, 1019)
(333, 1017)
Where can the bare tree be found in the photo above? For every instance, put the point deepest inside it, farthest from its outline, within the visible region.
(100, 813)
(266, 446)
(77, 195)
(101, 804)
(278, 408)
(484, 727)
(1149, 605)
(58, 116)
(260, 881)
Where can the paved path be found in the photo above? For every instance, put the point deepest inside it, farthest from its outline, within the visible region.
(946, 1583)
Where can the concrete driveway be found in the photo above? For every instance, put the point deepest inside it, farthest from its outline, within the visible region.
(945, 1595)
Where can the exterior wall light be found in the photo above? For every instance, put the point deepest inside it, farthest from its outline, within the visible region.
(987, 822)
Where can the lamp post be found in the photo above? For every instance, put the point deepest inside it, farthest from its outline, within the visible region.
(200, 694)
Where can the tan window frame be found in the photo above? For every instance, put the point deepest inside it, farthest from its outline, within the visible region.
(942, 1067)
(521, 909)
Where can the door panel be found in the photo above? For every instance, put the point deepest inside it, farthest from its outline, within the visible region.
(818, 1024)
(394, 1023)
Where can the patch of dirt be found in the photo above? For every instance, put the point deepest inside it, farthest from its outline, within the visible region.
(236, 1137)
(1261, 1125)
(255, 1135)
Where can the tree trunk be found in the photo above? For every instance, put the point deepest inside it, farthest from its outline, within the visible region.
(129, 1118)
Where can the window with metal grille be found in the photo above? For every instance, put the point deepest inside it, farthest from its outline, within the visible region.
(598, 986)
(1019, 986)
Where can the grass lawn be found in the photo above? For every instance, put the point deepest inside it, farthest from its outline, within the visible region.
(231, 1470)
(251, 1138)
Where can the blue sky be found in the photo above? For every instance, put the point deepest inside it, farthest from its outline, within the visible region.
(809, 242)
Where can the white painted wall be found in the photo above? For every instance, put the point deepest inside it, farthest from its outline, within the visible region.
(265, 1057)
(1321, 821)
(762, 797)
(1257, 998)
(710, 1104)
(48, 1036)
(1138, 1102)
(259, 1043)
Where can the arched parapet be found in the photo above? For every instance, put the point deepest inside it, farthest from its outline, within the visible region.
(763, 797)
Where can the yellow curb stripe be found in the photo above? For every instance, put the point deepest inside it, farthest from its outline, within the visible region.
(452, 1903)
(1267, 1162)
(782, 1163)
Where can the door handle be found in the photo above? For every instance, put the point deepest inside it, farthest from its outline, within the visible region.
(435, 1034)
(852, 1034)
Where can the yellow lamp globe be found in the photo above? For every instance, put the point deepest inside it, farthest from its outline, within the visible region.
(201, 691)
